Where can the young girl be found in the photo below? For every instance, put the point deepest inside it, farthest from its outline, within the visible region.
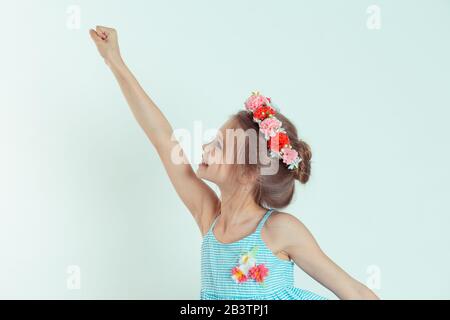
(249, 248)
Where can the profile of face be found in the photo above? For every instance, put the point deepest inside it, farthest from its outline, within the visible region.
(226, 159)
(214, 166)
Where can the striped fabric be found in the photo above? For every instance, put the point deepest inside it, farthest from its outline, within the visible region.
(218, 259)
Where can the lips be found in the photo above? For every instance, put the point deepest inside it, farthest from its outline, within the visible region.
(204, 163)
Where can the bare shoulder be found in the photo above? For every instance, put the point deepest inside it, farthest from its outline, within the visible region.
(285, 228)
(279, 220)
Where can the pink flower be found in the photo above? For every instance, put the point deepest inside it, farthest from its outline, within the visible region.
(238, 275)
(289, 155)
(269, 127)
(256, 101)
(258, 273)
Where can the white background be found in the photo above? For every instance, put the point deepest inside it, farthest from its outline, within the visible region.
(81, 185)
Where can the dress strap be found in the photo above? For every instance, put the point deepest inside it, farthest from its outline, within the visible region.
(263, 220)
(213, 223)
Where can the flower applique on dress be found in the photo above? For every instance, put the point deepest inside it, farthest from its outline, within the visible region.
(248, 269)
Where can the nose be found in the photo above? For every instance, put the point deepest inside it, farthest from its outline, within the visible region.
(205, 146)
(204, 149)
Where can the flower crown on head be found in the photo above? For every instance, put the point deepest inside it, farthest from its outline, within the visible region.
(263, 112)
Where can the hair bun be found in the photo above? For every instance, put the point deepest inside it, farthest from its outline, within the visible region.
(304, 169)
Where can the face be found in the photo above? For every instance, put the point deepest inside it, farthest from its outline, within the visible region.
(215, 167)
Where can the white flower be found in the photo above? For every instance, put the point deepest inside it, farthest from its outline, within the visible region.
(247, 266)
(247, 259)
(246, 262)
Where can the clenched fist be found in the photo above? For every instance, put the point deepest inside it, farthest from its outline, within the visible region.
(107, 43)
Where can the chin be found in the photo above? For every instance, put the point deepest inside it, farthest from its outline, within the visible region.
(200, 172)
(203, 173)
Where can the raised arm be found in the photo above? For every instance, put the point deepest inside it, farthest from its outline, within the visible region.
(199, 198)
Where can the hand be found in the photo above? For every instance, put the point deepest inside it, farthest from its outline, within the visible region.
(107, 43)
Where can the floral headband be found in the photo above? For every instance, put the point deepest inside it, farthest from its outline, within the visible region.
(277, 139)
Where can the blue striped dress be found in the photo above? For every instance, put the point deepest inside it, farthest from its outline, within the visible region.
(219, 259)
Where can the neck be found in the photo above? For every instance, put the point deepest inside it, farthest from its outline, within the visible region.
(238, 205)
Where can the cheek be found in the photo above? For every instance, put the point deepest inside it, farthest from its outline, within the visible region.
(228, 169)
(217, 156)
(215, 173)
(211, 155)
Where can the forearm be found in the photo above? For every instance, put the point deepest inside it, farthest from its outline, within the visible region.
(147, 114)
(356, 291)
(364, 293)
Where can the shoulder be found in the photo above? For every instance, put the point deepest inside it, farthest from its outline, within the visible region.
(283, 220)
(285, 228)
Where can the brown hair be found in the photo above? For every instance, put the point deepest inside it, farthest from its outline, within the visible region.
(276, 190)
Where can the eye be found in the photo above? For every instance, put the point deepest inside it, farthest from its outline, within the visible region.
(218, 144)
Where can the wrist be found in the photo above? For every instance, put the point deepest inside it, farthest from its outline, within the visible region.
(114, 59)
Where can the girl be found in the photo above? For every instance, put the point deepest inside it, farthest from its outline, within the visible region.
(249, 248)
